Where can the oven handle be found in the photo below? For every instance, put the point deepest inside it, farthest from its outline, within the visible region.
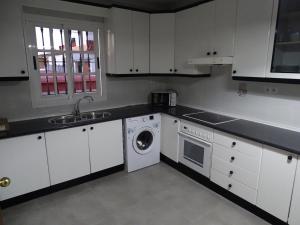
(194, 138)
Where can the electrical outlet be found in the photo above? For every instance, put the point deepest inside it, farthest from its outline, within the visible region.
(267, 90)
(274, 90)
(271, 90)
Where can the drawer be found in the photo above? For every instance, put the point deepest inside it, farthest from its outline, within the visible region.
(241, 175)
(242, 145)
(224, 139)
(234, 187)
(237, 158)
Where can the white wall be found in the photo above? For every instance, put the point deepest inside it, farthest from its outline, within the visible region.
(16, 103)
(219, 94)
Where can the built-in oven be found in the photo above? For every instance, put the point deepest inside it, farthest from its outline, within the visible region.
(195, 147)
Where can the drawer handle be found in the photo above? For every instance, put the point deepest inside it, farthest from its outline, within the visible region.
(92, 128)
(175, 121)
(83, 130)
(233, 144)
(5, 182)
(39, 137)
(229, 186)
(289, 158)
(232, 158)
(230, 173)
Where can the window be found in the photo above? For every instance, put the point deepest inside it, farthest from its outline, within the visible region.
(66, 60)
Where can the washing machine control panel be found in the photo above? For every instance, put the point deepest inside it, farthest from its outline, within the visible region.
(197, 131)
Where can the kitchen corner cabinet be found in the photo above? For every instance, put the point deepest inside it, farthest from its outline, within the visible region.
(294, 217)
(106, 145)
(162, 43)
(128, 42)
(276, 182)
(169, 137)
(68, 154)
(252, 38)
(13, 56)
(24, 161)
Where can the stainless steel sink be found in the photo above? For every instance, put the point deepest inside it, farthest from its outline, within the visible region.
(71, 119)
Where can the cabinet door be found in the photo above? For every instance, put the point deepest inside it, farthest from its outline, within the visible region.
(162, 42)
(106, 145)
(141, 42)
(276, 182)
(123, 40)
(252, 37)
(24, 161)
(68, 154)
(194, 30)
(225, 22)
(169, 137)
(12, 54)
(294, 218)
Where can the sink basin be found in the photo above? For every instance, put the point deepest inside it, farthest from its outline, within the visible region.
(71, 119)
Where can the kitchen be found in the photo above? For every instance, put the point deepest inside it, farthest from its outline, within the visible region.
(102, 88)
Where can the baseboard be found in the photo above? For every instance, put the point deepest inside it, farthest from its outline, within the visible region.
(223, 192)
(58, 187)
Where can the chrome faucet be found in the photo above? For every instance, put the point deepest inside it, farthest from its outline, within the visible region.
(76, 110)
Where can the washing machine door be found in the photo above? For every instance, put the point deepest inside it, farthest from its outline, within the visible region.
(143, 140)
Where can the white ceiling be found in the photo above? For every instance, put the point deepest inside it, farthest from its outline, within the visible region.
(149, 5)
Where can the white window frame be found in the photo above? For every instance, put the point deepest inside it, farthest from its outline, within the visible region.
(38, 100)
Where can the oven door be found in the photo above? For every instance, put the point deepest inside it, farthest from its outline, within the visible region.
(195, 153)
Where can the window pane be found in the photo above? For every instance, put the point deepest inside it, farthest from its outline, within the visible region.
(78, 83)
(89, 64)
(75, 40)
(77, 62)
(43, 38)
(45, 62)
(88, 40)
(61, 76)
(62, 86)
(59, 39)
(47, 85)
(60, 63)
(91, 83)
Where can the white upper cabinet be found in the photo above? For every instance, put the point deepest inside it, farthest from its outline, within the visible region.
(294, 218)
(193, 32)
(106, 145)
(169, 137)
(13, 57)
(68, 154)
(162, 43)
(24, 161)
(141, 33)
(276, 182)
(225, 22)
(128, 42)
(284, 46)
(252, 37)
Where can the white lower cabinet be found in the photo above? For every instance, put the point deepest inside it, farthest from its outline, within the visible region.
(68, 154)
(294, 218)
(106, 145)
(276, 182)
(169, 137)
(24, 161)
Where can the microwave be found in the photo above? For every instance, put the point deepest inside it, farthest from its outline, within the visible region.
(164, 98)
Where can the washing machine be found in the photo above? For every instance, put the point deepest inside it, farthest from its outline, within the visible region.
(142, 141)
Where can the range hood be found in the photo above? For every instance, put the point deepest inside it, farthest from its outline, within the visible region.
(210, 61)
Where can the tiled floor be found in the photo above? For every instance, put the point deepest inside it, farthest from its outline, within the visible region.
(158, 195)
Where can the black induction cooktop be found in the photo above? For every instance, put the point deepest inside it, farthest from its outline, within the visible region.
(211, 118)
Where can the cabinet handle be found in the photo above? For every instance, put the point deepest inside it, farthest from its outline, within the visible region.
(233, 144)
(34, 63)
(290, 158)
(215, 53)
(175, 121)
(171, 70)
(175, 70)
(230, 172)
(208, 53)
(39, 137)
(83, 130)
(92, 128)
(234, 72)
(131, 70)
(23, 71)
(98, 62)
(136, 70)
(229, 186)
(232, 158)
(5, 182)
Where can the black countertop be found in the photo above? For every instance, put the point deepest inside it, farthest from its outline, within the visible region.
(269, 135)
